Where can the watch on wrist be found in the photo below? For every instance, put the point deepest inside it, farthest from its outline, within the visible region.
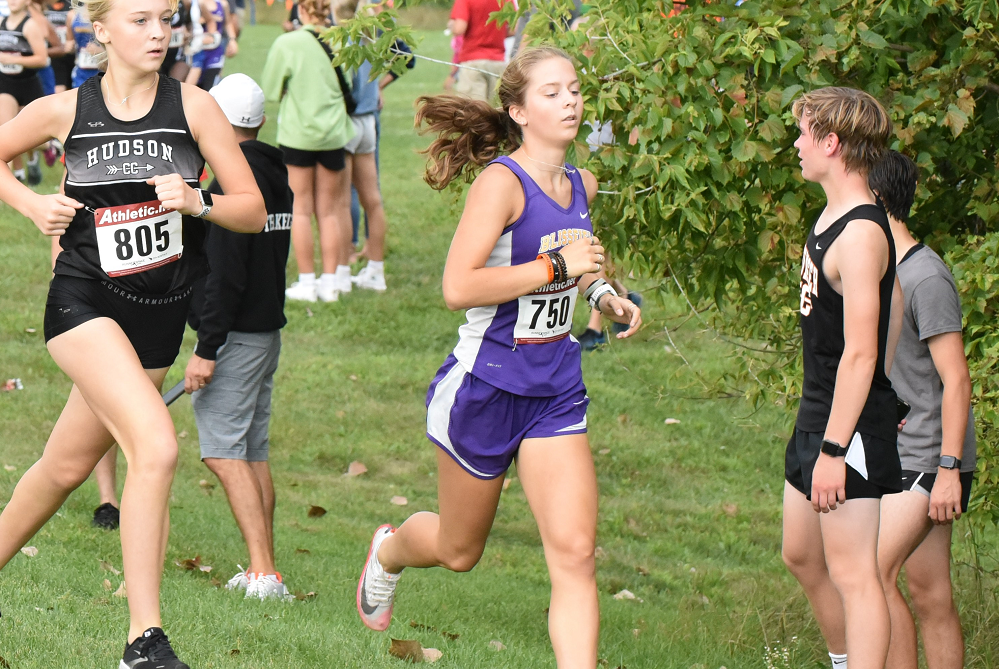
(206, 202)
(949, 462)
(833, 449)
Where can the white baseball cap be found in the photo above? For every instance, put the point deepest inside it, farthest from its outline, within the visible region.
(241, 99)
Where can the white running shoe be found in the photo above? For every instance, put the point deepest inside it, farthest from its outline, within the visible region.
(376, 589)
(268, 586)
(370, 280)
(305, 292)
(342, 281)
(239, 581)
(327, 293)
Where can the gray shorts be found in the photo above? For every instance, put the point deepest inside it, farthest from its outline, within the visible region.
(366, 136)
(233, 412)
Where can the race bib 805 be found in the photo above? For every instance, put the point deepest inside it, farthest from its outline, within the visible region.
(138, 237)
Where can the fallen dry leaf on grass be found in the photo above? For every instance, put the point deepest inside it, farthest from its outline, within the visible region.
(642, 571)
(406, 649)
(450, 636)
(182, 435)
(623, 418)
(10, 468)
(107, 585)
(107, 566)
(671, 421)
(496, 645)
(121, 591)
(604, 451)
(628, 594)
(30, 551)
(399, 501)
(353, 377)
(316, 512)
(4, 663)
(234, 652)
(599, 553)
(356, 468)
(193, 564)
(304, 596)
(432, 655)
(206, 486)
(303, 551)
(731, 510)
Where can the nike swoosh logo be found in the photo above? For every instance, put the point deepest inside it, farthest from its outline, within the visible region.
(364, 601)
(817, 247)
(584, 215)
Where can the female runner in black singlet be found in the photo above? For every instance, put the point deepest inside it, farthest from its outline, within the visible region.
(136, 144)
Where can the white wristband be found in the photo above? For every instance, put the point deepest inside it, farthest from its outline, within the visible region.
(594, 297)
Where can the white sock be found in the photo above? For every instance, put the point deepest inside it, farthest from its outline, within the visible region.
(307, 279)
(19, 174)
(33, 160)
(326, 279)
(343, 270)
(376, 266)
(838, 661)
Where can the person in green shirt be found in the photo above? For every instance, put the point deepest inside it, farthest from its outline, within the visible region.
(313, 128)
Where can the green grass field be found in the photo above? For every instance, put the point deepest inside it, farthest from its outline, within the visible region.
(689, 520)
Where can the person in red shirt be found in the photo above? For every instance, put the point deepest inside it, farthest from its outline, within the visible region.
(482, 50)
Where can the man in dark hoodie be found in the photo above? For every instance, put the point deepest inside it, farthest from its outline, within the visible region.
(238, 312)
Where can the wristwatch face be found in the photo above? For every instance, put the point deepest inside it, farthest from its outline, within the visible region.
(206, 198)
(949, 462)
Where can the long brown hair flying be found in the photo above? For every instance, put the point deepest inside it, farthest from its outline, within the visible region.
(471, 133)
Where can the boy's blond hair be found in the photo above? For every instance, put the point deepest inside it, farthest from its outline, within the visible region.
(855, 117)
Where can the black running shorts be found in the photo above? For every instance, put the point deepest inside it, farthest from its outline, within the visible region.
(922, 482)
(25, 90)
(883, 475)
(154, 324)
(334, 160)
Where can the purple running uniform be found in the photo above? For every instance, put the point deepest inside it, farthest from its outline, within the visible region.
(515, 373)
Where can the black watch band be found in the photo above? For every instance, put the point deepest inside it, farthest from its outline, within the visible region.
(833, 449)
(949, 462)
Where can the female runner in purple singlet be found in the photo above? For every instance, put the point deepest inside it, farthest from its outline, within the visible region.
(513, 388)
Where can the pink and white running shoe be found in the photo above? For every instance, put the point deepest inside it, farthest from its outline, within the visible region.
(376, 589)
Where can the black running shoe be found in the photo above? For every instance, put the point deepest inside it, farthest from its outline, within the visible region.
(591, 339)
(151, 650)
(34, 173)
(107, 516)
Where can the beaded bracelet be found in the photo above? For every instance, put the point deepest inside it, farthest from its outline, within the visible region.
(561, 269)
(548, 265)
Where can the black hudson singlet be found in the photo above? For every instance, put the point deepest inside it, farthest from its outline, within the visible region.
(12, 40)
(123, 235)
(822, 334)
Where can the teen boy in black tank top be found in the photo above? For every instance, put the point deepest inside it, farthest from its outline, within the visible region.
(842, 457)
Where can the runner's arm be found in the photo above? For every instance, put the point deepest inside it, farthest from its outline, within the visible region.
(34, 32)
(241, 209)
(947, 351)
(44, 119)
(861, 257)
(489, 209)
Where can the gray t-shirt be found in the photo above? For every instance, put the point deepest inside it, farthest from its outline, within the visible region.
(932, 307)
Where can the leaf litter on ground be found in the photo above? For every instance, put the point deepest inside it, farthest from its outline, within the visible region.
(316, 512)
(399, 500)
(193, 564)
(30, 551)
(450, 636)
(356, 468)
(107, 566)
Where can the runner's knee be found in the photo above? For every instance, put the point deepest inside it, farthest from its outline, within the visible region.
(155, 456)
(932, 596)
(461, 558)
(571, 553)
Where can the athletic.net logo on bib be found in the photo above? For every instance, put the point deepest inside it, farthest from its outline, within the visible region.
(138, 237)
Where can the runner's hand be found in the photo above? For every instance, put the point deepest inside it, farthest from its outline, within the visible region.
(622, 310)
(945, 498)
(583, 256)
(231, 49)
(199, 373)
(828, 483)
(52, 214)
(174, 193)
